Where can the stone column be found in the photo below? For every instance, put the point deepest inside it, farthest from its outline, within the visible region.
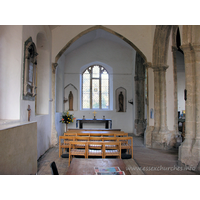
(149, 129)
(196, 146)
(139, 91)
(163, 108)
(174, 50)
(139, 108)
(161, 137)
(155, 135)
(54, 134)
(186, 146)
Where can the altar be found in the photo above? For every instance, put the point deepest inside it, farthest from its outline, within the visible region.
(106, 121)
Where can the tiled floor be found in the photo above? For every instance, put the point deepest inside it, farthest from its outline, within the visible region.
(146, 161)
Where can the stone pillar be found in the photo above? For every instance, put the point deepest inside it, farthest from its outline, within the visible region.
(196, 146)
(186, 146)
(163, 108)
(139, 91)
(161, 136)
(155, 136)
(176, 131)
(149, 129)
(54, 134)
(139, 107)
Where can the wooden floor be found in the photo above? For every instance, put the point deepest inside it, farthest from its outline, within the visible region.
(146, 161)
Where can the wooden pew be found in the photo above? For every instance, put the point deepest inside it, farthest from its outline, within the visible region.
(126, 145)
(112, 152)
(64, 143)
(74, 150)
(126, 142)
(98, 134)
(95, 148)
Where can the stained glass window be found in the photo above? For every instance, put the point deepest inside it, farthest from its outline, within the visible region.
(95, 91)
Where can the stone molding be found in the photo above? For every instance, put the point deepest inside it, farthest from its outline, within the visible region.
(54, 66)
(196, 47)
(160, 68)
(174, 49)
(147, 64)
(186, 48)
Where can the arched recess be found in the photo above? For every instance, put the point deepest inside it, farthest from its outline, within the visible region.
(121, 91)
(67, 89)
(42, 98)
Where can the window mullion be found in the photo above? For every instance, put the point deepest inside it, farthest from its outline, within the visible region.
(100, 105)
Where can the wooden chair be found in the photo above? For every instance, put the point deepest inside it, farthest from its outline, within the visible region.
(91, 151)
(70, 134)
(126, 143)
(109, 139)
(73, 150)
(81, 139)
(97, 144)
(83, 134)
(121, 134)
(64, 143)
(112, 152)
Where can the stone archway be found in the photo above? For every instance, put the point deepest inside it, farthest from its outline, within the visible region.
(95, 28)
(189, 151)
(54, 65)
(160, 137)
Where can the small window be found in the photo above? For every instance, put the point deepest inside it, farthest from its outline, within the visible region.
(95, 88)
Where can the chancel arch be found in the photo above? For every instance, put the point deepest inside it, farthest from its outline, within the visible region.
(104, 47)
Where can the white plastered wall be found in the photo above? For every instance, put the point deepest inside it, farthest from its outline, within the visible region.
(180, 81)
(10, 71)
(44, 120)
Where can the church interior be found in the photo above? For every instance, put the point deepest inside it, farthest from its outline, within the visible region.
(139, 79)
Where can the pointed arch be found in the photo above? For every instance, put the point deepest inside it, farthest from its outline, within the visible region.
(92, 29)
(161, 44)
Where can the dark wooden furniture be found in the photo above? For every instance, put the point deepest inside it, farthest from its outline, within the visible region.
(105, 121)
(83, 166)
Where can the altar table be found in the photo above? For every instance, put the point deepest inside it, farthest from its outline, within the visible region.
(106, 121)
(82, 166)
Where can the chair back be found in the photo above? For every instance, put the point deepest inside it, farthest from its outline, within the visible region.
(54, 169)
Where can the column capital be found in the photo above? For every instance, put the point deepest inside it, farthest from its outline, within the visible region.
(54, 66)
(186, 48)
(160, 67)
(196, 47)
(147, 64)
(174, 49)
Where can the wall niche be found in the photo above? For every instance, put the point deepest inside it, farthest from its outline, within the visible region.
(70, 98)
(120, 96)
